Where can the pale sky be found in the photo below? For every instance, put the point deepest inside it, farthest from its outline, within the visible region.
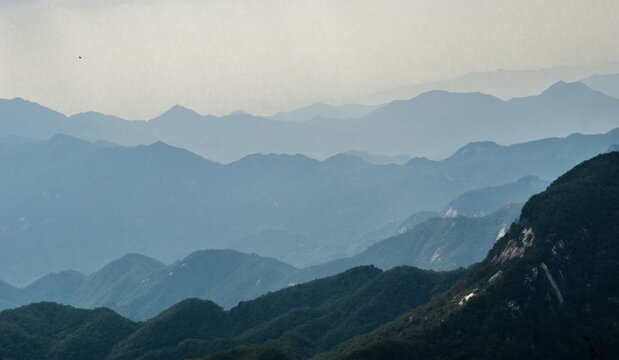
(140, 57)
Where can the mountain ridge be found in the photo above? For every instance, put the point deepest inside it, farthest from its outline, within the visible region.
(196, 203)
(451, 120)
(543, 291)
(303, 312)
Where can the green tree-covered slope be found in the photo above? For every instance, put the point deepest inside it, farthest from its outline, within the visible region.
(302, 320)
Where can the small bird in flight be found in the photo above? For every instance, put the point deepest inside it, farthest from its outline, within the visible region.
(79, 57)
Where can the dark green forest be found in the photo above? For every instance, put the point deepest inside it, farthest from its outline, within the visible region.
(303, 320)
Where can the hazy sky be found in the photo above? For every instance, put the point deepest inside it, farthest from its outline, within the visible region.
(139, 57)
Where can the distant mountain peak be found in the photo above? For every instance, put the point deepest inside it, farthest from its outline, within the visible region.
(179, 111)
(22, 101)
(342, 160)
(178, 107)
(64, 274)
(93, 115)
(61, 139)
(21, 105)
(379, 159)
(158, 144)
(133, 259)
(477, 147)
(562, 88)
(164, 149)
(134, 256)
(275, 158)
(418, 160)
(444, 95)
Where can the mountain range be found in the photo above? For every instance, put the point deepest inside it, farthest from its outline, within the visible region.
(484, 201)
(433, 124)
(315, 316)
(438, 243)
(504, 84)
(546, 289)
(69, 203)
(608, 84)
(140, 287)
(319, 110)
(378, 159)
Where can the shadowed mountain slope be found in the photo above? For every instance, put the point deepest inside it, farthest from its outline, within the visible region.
(484, 201)
(436, 243)
(545, 290)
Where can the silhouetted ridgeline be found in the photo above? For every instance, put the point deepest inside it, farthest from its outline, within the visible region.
(433, 124)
